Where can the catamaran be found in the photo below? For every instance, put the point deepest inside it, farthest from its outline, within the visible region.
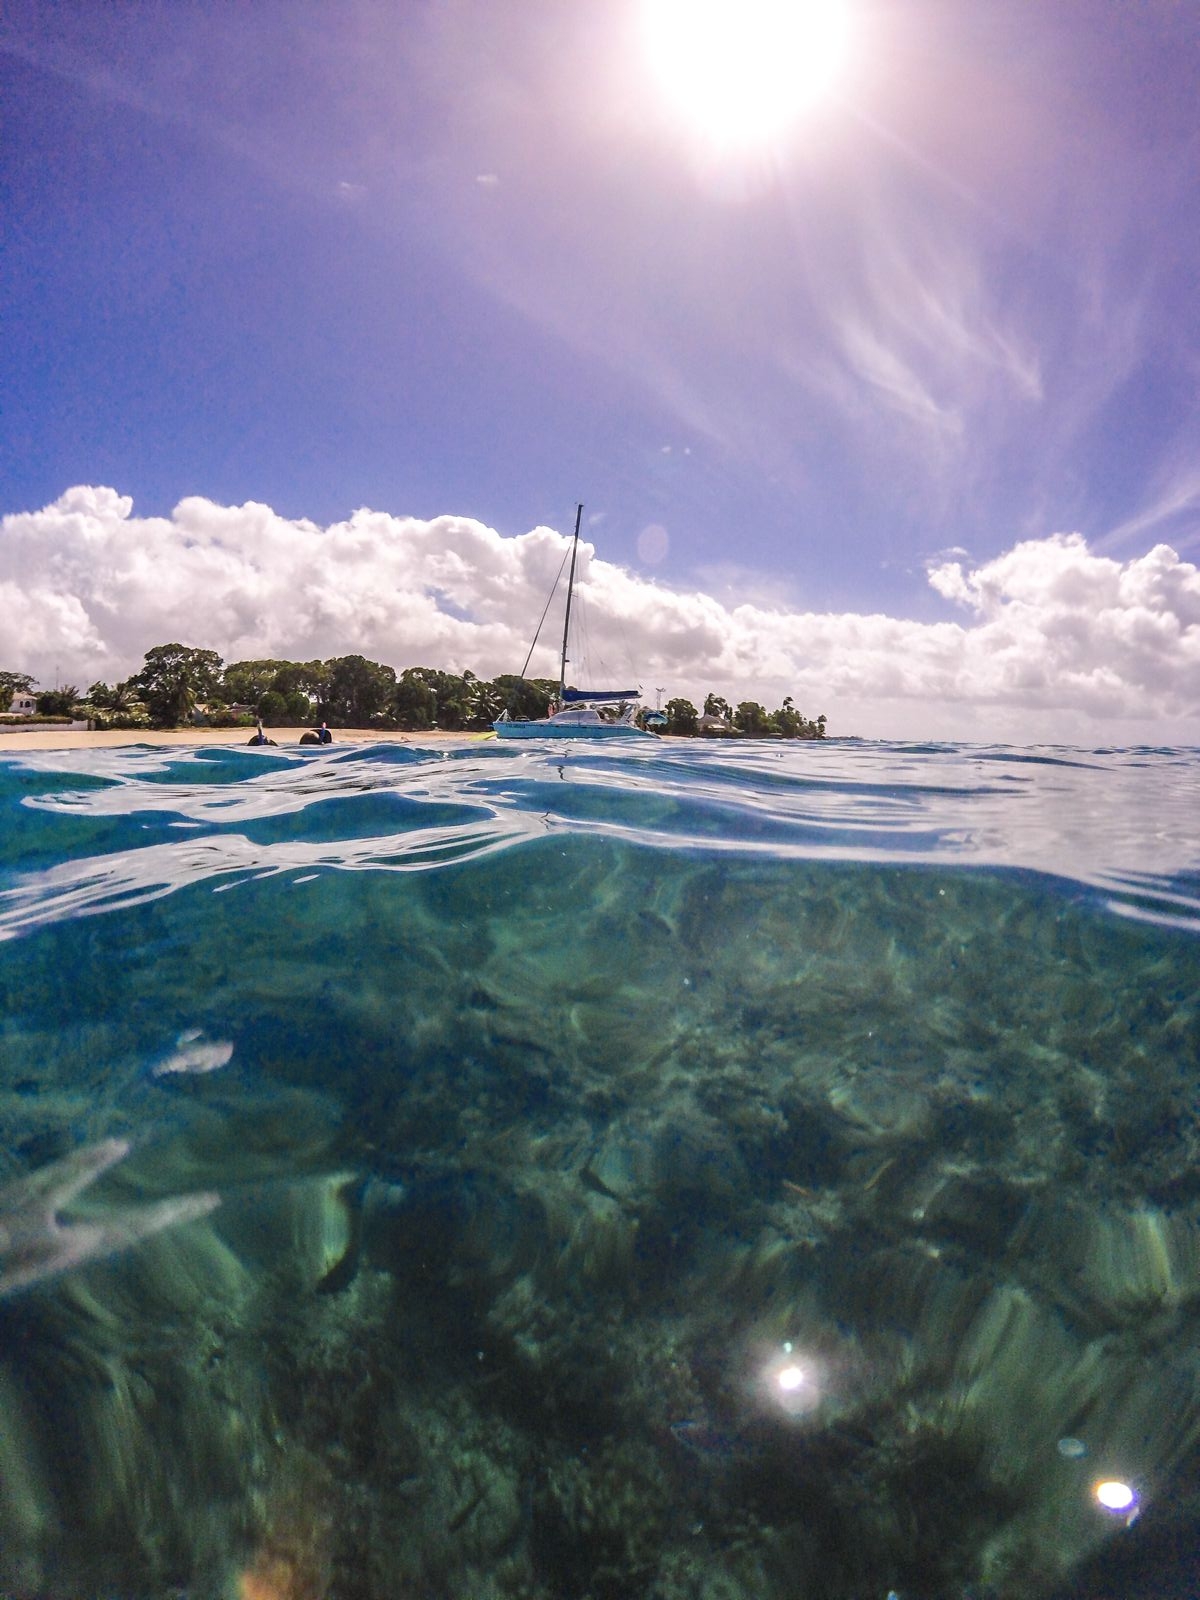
(578, 714)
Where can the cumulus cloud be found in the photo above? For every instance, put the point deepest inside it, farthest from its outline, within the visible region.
(1057, 626)
(1048, 640)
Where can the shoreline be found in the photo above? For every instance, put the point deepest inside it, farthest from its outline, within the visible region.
(206, 738)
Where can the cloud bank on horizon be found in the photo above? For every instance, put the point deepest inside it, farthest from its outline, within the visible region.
(1048, 641)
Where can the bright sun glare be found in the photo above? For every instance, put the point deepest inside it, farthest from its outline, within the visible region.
(740, 72)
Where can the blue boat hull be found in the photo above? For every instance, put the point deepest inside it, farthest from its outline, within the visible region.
(545, 729)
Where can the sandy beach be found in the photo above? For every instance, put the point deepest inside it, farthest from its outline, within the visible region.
(51, 738)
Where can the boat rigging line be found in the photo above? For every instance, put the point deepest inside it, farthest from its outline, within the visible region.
(553, 592)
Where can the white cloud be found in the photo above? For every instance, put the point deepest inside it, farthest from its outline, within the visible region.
(1051, 641)
(1060, 628)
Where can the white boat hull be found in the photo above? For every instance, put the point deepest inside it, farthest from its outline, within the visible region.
(546, 728)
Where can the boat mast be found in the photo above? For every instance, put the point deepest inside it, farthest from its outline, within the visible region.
(562, 674)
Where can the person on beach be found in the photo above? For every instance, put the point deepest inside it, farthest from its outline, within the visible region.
(259, 737)
(323, 735)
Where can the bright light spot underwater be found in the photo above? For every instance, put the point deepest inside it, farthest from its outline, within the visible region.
(791, 1385)
(1115, 1496)
(742, 71)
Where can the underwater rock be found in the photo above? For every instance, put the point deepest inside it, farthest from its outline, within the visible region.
(978, 1211)
(625, 1164)
(881, 1105)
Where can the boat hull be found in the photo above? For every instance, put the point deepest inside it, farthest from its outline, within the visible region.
(588, 730)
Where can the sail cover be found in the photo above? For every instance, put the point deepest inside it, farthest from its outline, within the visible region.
(574, 696)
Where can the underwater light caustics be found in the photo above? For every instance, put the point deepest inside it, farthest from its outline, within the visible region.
(740, 72)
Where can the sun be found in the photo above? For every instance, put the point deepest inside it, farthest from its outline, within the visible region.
(740, 73)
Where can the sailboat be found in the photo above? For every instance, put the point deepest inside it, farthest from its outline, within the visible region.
(578, 714)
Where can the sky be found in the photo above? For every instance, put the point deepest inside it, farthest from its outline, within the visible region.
(317, 321)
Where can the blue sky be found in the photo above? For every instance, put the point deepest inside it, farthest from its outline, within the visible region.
(463, 260)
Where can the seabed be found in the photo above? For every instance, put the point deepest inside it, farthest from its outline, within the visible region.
(595, 1221)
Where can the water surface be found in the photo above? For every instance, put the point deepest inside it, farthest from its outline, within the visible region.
(681, 1171)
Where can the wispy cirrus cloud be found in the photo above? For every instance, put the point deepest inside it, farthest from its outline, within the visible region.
(1173, 506)
(925, 328)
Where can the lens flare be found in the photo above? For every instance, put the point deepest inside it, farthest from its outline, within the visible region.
(791, 1383)
(1115, 1496)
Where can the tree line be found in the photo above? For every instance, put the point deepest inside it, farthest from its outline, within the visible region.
(178, 684)
(747, 718)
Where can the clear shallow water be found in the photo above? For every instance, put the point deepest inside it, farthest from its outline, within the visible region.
(418, 1164)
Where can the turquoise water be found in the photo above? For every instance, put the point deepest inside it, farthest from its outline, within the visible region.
(686, 1171)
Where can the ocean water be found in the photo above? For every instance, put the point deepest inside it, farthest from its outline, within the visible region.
(681, 1171)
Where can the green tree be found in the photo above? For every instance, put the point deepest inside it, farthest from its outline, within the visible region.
(457, 701)
(57, 702)
(487, 701)
(811, 730)
(716, 706)
(273, 708)
(751, 719)
(788, 721)
(12, 683)
(245, 682)
(281, 692)
(299, 706)
(117, 702)
(525, 699)
(300, 683)
(358, 691)
(453, 705)
(173, 678)
(415, 702)
(682, 716)
(307, 678)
